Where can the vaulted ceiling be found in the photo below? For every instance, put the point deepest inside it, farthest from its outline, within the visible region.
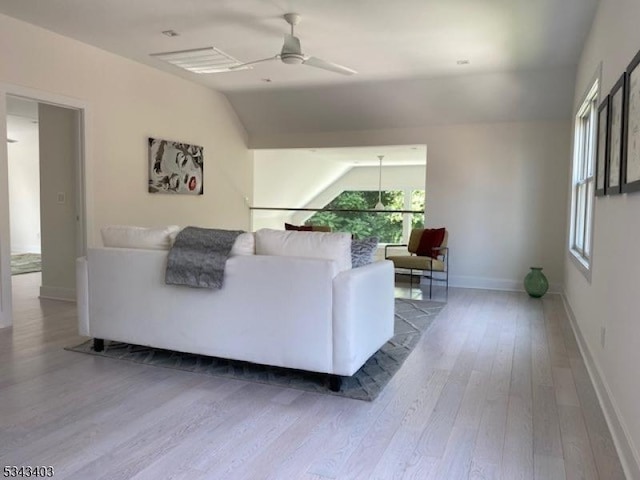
(408, 54)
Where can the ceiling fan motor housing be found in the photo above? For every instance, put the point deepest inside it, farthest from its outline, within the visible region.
(292, 58)
(292, 18)
(291, 53)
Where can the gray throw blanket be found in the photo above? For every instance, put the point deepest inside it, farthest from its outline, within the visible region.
(198, 257)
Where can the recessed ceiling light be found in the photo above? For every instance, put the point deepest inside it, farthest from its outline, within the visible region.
(463, 62)
(170, 33)
(266, 80)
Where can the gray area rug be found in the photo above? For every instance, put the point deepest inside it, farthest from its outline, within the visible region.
(412, 318)
(25, 263)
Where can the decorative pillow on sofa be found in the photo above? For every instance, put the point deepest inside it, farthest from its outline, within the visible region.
(307, 228)
(298, 228)
(363, 251)
(245, 244)
(330, 246)
(152, 238)
(431, 238)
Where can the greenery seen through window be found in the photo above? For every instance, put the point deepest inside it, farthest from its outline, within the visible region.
(388, 227)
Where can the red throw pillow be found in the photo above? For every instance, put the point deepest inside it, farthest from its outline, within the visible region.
(431, 238)
(299, 228)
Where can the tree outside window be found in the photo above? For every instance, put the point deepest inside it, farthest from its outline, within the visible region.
(388, 227)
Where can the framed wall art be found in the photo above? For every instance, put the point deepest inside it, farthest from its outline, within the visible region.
(631, 138)
(175, 167)
(602, 152)
(616, 128)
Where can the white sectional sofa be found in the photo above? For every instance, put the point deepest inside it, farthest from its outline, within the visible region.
(286, 309)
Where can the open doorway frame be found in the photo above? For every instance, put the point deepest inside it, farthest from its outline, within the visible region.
(83, 227)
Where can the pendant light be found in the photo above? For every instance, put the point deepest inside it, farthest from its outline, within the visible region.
(380, 205)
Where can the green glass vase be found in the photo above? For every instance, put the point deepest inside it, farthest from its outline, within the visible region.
(535, 283)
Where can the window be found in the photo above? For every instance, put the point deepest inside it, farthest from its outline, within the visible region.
(388, 227)
(583, 183)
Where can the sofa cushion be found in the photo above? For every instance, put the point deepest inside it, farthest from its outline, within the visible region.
(245, 244)
(414, 262)
(150, 238)
(162, 238)
(363, 251)
(330, 246)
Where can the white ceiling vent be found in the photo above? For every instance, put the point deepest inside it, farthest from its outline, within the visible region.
(201, 60)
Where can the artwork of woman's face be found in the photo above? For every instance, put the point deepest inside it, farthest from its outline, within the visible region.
(175, 167)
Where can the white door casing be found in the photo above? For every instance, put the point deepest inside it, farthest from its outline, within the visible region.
(6, 318)
(83, 202)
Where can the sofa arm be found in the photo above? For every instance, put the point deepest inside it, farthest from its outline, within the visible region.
(363, 314)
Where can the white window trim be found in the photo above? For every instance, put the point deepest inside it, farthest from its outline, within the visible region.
(583, 262)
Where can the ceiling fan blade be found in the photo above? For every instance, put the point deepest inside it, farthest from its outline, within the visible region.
(332, 67)
(242, 65)
(291, 45)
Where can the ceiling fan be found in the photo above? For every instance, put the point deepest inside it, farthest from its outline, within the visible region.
(291, 53)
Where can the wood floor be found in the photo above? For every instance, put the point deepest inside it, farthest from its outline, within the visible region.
(495, 389)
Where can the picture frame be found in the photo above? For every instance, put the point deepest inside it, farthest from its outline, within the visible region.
(602, 149)
(631, 137)
(613, 185)
(175, 168)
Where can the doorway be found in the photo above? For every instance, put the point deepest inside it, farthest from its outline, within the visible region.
(42, 168)
(24, 185)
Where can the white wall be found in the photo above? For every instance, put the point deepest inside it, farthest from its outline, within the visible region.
(125, 103)
(610, 299)
(129, 102)
(287, 179)
(59, 150)
(496, 187)
(24, 185)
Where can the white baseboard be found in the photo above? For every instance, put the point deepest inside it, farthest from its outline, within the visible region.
(624, 445)
(58, 293)
(25, 248)
(487, 283)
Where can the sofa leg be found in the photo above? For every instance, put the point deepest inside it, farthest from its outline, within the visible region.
(335, 383)
(98, 344)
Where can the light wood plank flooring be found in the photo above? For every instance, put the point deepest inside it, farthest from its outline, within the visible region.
(495, 389)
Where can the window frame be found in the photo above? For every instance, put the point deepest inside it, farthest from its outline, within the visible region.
(583, 180)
